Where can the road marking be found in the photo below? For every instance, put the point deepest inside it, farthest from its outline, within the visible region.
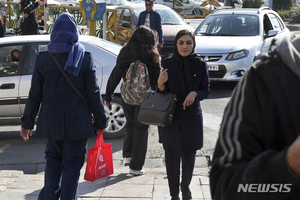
(211, 121)
(3, 148)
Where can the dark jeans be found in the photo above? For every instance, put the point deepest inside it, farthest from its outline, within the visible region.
(172, 155)
(64, 159)
(136, 137)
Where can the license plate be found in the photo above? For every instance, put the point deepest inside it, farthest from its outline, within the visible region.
(213, 67)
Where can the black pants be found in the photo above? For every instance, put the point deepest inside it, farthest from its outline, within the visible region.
(172, 155)
(136, 137)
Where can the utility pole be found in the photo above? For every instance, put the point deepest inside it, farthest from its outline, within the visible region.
(271, 4)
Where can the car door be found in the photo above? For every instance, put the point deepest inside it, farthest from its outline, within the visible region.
(124, 33)
(10, 72)
(270, 22)
(32, 49)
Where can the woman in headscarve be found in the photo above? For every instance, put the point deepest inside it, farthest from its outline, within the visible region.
(64, 118)
(186, 75)
(29, 25)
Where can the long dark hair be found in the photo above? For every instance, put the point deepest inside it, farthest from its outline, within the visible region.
(141, 46)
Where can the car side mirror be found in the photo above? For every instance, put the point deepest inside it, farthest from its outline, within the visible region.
(126, 25)
(271, 33)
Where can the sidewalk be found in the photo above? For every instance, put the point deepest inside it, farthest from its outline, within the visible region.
(153, 185)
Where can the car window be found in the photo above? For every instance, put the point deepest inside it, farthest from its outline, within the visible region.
(137, 13)
(34, 50)
(125, 16)
(184, 1)
(267, 24)
(275, 22)
(119, 10)
(169, 17)
(229, 25)
(9, 59)
(116, 2)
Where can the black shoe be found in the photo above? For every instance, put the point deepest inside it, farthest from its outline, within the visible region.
(175, 198)
(186, 194)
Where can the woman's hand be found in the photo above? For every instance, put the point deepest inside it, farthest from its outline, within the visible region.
(293, 156)
(163, 77)
(25, 133)
(189, 100)
(106, 103)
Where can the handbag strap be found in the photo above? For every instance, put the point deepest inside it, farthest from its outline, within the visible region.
(68, 79)
(99, 139)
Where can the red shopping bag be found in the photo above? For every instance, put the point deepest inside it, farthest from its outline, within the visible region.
(99, 161)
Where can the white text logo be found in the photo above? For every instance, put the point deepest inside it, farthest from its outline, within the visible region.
(263, 187)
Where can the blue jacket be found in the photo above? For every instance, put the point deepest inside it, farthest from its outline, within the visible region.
(63, 114)
(155, 23)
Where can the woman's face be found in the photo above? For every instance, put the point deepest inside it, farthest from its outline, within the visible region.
(185, 45)
(26, 15)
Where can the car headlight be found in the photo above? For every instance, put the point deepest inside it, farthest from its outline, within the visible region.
(237, 55)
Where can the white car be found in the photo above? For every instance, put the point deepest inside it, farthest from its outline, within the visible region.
(229, 40)
(183, 7)
(14, 87)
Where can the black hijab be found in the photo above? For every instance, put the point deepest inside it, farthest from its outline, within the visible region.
(183, 64)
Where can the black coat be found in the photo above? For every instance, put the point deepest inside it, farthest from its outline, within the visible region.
(260, 122)
(29, 27)
(1, 30)
(188, 123)
(63, 114)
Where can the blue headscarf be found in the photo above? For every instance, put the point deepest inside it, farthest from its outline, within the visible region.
(64, 38)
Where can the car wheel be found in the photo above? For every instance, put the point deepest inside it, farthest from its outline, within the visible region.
(115, 119)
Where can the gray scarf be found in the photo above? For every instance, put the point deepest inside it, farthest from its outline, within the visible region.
(288, 48)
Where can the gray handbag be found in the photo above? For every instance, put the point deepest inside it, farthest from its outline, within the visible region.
(157, 108)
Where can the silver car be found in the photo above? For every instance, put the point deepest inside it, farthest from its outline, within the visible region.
(229, 40)
(14, 87)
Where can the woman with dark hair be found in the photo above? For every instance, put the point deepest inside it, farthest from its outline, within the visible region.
(141, 46)
(29, 25)
(186, 75)
(1, 27)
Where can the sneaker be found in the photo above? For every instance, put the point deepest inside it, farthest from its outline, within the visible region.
(127, 161)
(136, 172)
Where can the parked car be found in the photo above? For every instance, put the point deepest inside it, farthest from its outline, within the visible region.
(248, 33)
(183, 7)
(116, 2)
(14, 88)
(172, 22)
(68, 2)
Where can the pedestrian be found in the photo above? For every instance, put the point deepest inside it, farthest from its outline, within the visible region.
(186, 75)
(29, 25)
(1, 27)
(14, 63)
(141, 46)
(151, 19)
(258, 150)
(64, 118)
